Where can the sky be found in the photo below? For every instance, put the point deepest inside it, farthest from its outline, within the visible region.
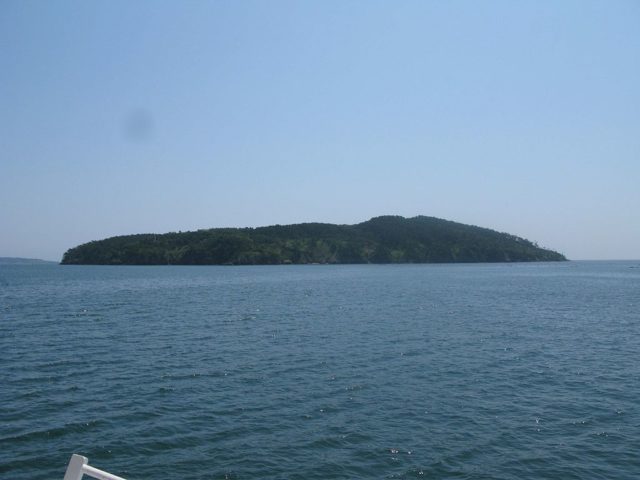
(120, 117)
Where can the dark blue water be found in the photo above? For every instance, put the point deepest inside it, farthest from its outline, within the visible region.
(526, 371)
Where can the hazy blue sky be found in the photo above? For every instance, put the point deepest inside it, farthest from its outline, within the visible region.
(124, 117)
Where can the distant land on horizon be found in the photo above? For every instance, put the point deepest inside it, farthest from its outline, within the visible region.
(385, 239)
(23, 261)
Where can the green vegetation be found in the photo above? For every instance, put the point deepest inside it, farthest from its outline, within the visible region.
(388, 239)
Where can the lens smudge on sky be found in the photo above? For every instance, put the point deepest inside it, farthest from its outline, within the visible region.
(138, 126)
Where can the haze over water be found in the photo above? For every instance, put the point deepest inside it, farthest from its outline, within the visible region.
(502, 371)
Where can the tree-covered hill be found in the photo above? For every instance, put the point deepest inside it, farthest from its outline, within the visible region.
(387, 239)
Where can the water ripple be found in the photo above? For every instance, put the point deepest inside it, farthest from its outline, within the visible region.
(419, 371)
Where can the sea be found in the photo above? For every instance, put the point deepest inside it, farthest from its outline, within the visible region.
(466, 371)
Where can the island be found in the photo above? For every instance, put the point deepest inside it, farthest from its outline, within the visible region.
(385, 239)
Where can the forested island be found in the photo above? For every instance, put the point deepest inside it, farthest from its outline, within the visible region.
(386, 239)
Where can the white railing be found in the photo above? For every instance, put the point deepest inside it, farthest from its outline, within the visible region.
(78, 466)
